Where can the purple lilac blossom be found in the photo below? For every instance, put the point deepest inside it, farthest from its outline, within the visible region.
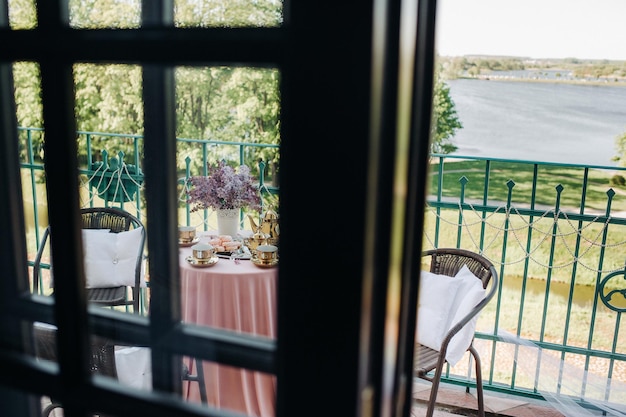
(224, 188)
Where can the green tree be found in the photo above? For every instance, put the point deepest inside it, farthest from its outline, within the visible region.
(108, 98)
(22, 14)
(216, 103)
(229, 104)
(96, 14)
(28, 94)
(445, 118)
(228, 13)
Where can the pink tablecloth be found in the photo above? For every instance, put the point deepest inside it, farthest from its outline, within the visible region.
(239, 297)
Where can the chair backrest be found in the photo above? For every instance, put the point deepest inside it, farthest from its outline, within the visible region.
(449, 261)
(117, 220)
(114, 219)
(102, 360)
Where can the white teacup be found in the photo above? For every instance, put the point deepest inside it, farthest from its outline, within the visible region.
(267, 253)
(203, 251)
(186, 233)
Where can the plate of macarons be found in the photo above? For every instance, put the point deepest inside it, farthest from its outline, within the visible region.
(228, 247)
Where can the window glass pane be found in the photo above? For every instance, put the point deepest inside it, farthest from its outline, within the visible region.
(556, 87)
(22, 14)
(251, 393)
(130, 366)
(27, 83)
(224, 114)
(109, 102)
(228, 13)
(228, 124)
(109, 116)
(28, 94)
(97, 14)
(108, 99)
(228, 114)
(133, 364)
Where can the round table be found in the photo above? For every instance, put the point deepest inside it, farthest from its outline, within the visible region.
(237, 296)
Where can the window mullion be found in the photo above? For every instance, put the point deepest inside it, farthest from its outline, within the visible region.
(4, 14)
(157, 13)
(160, 170)
(53, 15)
(62, 185)
(13, 253)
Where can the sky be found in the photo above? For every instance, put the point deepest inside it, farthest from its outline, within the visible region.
(584, 29)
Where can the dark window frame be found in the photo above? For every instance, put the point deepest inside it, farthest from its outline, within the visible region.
(329, 358)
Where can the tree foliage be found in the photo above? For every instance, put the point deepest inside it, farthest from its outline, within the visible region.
(28, 94)
(472, 66)
(109, 98)
(22, 14)
(233, 104)
(226, 103)
(240, 104)
(445, 121)
(454, 67)
(228, 13)
(98, 14)
(216, 103)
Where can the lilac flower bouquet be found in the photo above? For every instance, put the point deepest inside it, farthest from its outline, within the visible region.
(223, 188)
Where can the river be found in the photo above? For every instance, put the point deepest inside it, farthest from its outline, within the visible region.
(539, 121)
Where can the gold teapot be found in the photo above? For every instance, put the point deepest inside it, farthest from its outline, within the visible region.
(268, 226)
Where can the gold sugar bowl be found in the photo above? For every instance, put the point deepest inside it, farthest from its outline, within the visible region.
(257, 239)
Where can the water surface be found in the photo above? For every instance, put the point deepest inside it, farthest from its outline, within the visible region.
(545, 122)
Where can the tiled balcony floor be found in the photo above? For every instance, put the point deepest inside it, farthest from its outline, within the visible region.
(454, 401)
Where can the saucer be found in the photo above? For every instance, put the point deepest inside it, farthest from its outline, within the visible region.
(201, 264)
(190, 243)
(264, 264)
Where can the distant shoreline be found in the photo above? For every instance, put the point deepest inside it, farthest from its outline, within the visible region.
(523, 69)
(508, 78)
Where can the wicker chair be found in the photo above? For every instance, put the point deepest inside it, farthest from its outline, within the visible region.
(449, 261)
(117, 221)
(102, 359)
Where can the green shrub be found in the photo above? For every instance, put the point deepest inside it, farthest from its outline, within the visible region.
(617, 180)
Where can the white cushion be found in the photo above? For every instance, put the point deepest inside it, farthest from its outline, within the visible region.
(133, 367)
(42, 325)
(110, 258)
(435, 299)
(88, 231)
(470, 293)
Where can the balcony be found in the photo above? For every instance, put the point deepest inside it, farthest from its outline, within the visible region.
(555, 233)
(455, 401)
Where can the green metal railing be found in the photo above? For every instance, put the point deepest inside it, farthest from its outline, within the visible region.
(112, 175)
(114, 178)
(555, 326)
(556, 233)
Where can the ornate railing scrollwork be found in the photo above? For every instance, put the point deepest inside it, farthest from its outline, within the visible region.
(614, 297)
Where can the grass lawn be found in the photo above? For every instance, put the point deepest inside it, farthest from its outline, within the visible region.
(548, 178)
(506, 241)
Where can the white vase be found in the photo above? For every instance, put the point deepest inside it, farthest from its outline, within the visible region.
(228, 222)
